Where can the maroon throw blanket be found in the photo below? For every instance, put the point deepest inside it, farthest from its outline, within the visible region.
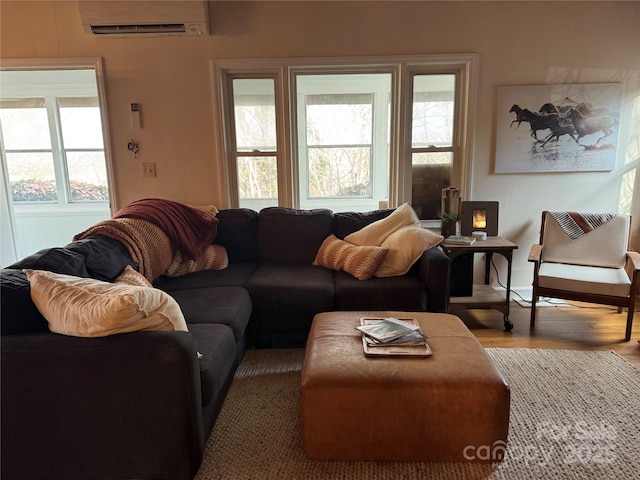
(189, 229)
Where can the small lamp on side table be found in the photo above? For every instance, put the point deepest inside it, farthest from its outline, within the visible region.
(479, 217)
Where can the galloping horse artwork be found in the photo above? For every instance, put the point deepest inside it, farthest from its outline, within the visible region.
(567, 127)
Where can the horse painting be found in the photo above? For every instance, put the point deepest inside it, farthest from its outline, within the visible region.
(576, 120)
(567, 127)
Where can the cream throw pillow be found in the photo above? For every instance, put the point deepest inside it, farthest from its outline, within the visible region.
(361, 262)
(210, 209)
(129, 276)
(85, 307)
(214, 257)
(375, 233)
(405, 246)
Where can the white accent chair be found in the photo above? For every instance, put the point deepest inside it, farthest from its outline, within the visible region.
(596, 268)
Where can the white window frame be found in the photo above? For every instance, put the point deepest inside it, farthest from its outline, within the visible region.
(51, 93)
(402, 69)
(378, 144)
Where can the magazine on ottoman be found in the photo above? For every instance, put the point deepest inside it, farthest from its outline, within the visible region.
(393, 336)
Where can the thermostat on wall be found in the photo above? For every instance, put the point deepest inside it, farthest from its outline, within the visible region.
(135, 115)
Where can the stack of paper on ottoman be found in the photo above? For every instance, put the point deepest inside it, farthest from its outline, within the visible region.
(451, 406)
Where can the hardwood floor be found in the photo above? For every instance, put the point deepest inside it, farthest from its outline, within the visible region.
(581, 326)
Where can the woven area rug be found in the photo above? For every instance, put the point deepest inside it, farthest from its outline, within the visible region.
(574, 415)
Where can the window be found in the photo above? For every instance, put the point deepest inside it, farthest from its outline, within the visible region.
(432, 144)
(254, 142)
(343, 140)
(348, 135)
(54, 158)
(52, 145)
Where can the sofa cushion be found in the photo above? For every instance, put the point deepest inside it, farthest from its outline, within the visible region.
(237, 231)
(287, 235)
(85, 307)
(236, 274)
(361, 262)
(345, 223)
(214, 257)
(229, 306)
(376, 232)
(405, 246)
(406, 293)
(18, 313)
(219, 358)
(285, 298)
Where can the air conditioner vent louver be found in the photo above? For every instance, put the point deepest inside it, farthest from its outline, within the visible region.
(137, 29)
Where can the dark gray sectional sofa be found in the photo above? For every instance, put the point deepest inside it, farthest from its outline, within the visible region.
(141, 405)
(270, 255)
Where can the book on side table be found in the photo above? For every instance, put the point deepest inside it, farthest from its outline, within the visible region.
(460, 240)
(393, 336)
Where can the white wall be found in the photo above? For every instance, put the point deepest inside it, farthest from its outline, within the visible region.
(51, 225)
(519, 43)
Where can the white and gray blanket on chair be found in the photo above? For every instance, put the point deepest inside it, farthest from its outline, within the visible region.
(575, 224)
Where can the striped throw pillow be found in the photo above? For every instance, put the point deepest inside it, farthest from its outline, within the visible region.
(213, 258)
(360, 261)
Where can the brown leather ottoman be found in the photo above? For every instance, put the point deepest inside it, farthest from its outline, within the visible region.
(452, 406)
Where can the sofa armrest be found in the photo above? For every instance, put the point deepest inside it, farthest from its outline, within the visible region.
(435, 270)
(124, 406)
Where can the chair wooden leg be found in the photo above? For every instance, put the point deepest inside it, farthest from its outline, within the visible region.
(534, 301)
(630, 311)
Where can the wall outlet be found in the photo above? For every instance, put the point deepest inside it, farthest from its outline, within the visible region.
(148, 169)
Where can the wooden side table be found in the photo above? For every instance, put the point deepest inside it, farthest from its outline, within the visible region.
(483, 296)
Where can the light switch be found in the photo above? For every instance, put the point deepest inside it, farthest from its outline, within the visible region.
(148, 169)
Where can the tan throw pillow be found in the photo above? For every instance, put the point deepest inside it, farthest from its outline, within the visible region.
(85, 307)
(131, 277)
(375, 233)
(213, 258)
(361, 262)
(405, 246)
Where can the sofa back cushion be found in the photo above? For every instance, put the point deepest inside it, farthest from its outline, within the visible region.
(237, 232)
(18, 314)
(57, 259)
(104, 257)
(288, 235)
(345, 223)
(96, 256)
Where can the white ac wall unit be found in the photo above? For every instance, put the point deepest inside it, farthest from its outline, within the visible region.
(144, 18)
